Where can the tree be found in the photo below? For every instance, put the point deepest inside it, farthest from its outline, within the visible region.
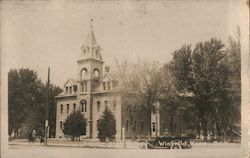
(75, 125)
(27, 102)
(106, 125)
(23, 91)
(202, 73)
(146, 79)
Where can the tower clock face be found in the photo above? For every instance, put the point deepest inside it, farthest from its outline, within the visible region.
(83, 74)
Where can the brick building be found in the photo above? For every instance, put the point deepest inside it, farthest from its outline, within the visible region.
(96, 88)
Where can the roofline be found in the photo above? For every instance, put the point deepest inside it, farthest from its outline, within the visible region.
(90, 59)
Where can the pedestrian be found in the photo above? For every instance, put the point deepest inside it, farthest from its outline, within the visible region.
(34, 135)
(41, 139)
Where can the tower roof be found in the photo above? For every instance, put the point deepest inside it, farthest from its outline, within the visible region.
(90, 48)
(91, 40)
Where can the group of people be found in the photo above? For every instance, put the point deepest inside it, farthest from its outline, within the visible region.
(32, 137)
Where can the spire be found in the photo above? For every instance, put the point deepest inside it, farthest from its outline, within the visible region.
(90, 48)
(91, 40)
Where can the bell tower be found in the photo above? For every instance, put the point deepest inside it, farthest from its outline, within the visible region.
(90, 64)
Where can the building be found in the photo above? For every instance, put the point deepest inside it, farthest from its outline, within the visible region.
(94, 89)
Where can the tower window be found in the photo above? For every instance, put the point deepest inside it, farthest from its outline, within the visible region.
(61, 108)
(74, 107)
(98, 106)
(67, 108)
(83, 73)
(96, 73)
(83, 106)
(84, 86)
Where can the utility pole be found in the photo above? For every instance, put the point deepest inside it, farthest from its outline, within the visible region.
(47, 107)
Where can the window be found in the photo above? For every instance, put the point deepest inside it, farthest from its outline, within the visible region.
(126, 125)
(83, 106)
(67, 90)
(104, 86)
(106, 103)
(70, 90)
(61, 108)
(61, 124)
(84, 87)
(98, 106)
(75, 88)
(153, 126)
(96, 73)
(142, 126)
(83, 73)
(135, 125)
(108, 85)
(67, 108)
(74, 107)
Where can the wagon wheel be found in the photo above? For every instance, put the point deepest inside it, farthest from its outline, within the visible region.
(175, 147)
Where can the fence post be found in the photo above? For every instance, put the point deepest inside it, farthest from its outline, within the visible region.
(123, 137)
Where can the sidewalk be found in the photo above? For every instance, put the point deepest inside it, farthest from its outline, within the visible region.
(81, 144)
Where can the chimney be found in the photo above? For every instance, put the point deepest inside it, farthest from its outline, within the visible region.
(107, 68)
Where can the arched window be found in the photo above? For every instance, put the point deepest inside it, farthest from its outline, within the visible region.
(98, 106)
(61, 108)
(96, 73)
(67, 108)
(83, 104)
(61, 125)
(83, 73)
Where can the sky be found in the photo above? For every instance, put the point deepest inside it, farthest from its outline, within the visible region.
(43, 34)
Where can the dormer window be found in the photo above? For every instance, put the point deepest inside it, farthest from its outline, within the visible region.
(104, 86)
(75, 88)
(70, 90)
(66, 90)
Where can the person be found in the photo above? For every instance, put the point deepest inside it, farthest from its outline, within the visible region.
(41, 138)
(13, 134)
(30, 136)
(34, 135)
